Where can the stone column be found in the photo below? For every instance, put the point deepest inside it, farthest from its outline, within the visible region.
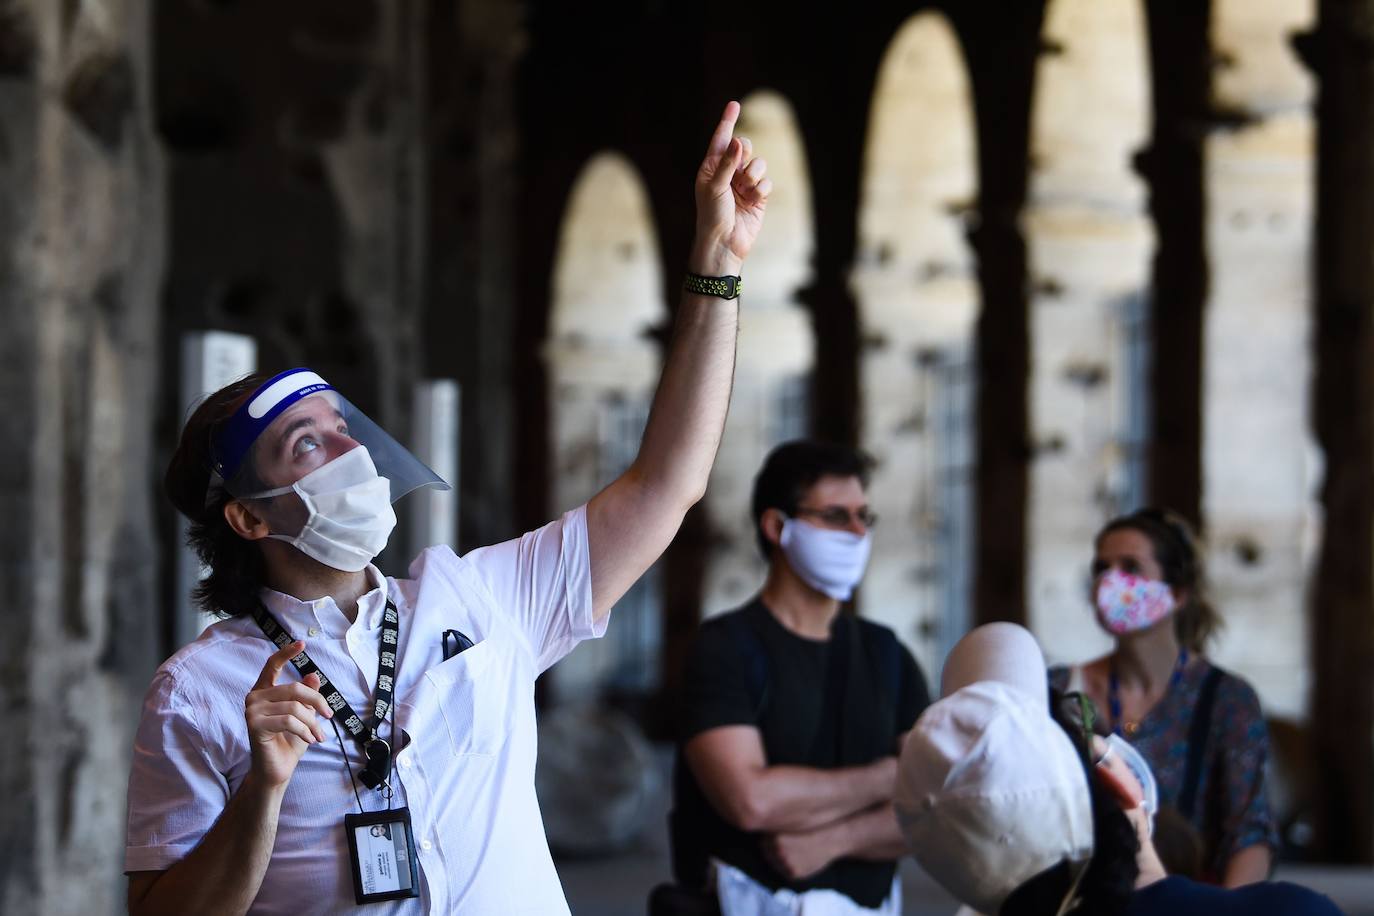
(917, 292)
(1089, 247)
(769, 403)
(1173, 165)
(376, 168)
(471, 246)
(82, 231)
(1339, 52)
(1259, 461)
(602, 366)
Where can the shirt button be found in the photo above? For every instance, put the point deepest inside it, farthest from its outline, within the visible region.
(426, 845)
(405, 763)
(313, 631)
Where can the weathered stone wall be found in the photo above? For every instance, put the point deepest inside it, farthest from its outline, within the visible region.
(293, 197)
(1089, 244)
(1260, 463)
(602, 366)
(349, 201)
(916, 287)
(82, 235)
(471, 145)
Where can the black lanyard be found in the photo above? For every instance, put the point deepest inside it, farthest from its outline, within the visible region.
(376, 752)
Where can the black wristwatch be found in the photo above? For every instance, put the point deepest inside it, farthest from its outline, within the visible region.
(723, 287)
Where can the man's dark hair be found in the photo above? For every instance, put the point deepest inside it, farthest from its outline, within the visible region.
(792, 468)
(235, 564)
(1109, 882)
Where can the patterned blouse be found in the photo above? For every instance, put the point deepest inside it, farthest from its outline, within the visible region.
(1232, 809)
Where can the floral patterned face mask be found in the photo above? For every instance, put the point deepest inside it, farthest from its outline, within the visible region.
(1127, 603)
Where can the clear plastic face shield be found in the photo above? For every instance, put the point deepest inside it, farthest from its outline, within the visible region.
(297, 435)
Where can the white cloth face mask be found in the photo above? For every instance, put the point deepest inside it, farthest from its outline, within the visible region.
(350, 518)
(830, 561)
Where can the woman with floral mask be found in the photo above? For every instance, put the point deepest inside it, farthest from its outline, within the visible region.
(1199, 727)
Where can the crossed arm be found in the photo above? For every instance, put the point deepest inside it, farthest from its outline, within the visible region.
(810, 816)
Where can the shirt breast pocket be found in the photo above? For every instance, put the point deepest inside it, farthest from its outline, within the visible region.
(472, 693)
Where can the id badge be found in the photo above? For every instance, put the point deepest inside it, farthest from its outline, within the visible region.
(381, 849)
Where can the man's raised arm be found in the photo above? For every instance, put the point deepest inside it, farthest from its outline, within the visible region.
(632, 521)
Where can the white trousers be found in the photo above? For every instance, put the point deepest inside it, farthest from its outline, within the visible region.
(741, 895)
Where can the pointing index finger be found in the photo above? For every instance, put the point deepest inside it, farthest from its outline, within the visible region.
(276, 662)
(724, 130)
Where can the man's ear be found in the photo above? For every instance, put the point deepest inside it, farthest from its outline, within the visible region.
(771, 524)
(243, 522)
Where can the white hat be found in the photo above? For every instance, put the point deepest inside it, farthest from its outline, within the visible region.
(990, 790)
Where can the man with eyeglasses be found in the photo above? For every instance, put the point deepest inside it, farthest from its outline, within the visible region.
(793, 713)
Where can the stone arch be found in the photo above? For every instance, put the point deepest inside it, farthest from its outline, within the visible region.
(770, 403)
(1262, 520)
(915, 283)
(1088, 244)
(602, 365)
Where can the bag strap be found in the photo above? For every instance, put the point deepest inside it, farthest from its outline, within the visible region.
(1198, 731)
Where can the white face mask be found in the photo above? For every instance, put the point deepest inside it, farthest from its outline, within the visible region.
(830, 561)
(350, 512)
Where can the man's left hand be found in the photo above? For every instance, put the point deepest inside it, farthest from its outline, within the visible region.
(732, 190)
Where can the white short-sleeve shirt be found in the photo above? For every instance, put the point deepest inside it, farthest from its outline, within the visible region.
(467, 773)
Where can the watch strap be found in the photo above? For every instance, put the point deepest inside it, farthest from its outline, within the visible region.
(727, 287)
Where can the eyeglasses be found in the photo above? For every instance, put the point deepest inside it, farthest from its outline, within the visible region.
(839, 516)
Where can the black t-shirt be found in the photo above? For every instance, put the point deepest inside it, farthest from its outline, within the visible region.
(746, 668)
(1182, 897)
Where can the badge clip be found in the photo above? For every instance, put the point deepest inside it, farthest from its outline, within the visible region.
(374, 772)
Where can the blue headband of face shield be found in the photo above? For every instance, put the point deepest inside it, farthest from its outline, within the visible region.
(267, 418)
(254, 415)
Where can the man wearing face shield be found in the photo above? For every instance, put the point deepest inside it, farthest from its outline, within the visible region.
(347, 739)
(793, 713)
